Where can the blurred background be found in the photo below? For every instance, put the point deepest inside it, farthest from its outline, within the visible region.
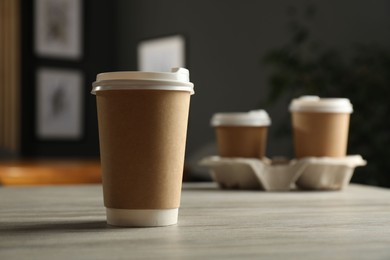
(242, 55)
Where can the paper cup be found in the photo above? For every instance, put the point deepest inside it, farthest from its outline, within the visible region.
(320, 126)
(241, 134)
(142, 132)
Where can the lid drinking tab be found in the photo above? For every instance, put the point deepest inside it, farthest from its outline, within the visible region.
(182, 74)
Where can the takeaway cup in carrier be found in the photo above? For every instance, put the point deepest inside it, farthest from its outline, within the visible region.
(320, 126)
(241, 134)
(142, 133)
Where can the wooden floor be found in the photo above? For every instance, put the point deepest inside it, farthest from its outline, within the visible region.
(49, 172)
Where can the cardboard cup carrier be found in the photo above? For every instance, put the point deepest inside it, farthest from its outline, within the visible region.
(241, 134)
(320, 126)
(142, 132)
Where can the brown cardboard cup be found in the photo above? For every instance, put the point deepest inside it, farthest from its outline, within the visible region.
(241, 134)
(241, 141)
(142, 134)
(320, 126)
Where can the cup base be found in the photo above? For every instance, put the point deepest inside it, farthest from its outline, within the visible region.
(142, 217)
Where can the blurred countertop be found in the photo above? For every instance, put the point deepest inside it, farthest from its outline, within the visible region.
(50, 172)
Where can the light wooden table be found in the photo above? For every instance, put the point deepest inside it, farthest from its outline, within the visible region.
(68, 222)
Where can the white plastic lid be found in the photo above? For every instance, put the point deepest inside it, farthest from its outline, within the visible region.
(251, 118)
(178, 79)
(322, 105)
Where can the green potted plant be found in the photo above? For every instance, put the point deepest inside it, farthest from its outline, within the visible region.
(361, 73)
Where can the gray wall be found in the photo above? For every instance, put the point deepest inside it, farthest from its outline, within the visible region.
(226, 40)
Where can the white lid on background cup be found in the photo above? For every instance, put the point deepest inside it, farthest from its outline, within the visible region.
(251, 118)
(321, 105)
(178, 79)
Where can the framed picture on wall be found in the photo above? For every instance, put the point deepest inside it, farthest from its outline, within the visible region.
(58, 28)
(59, 104)
(161, 54)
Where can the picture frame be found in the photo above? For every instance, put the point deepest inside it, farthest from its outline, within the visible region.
(59, 104)
(58, 28)
(161, 54)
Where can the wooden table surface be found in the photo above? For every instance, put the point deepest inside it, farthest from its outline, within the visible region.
(49, 172)
(68, 222)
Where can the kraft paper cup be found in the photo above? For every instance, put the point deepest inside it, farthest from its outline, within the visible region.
(241, 134)
(320, 126)
(142, 132)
